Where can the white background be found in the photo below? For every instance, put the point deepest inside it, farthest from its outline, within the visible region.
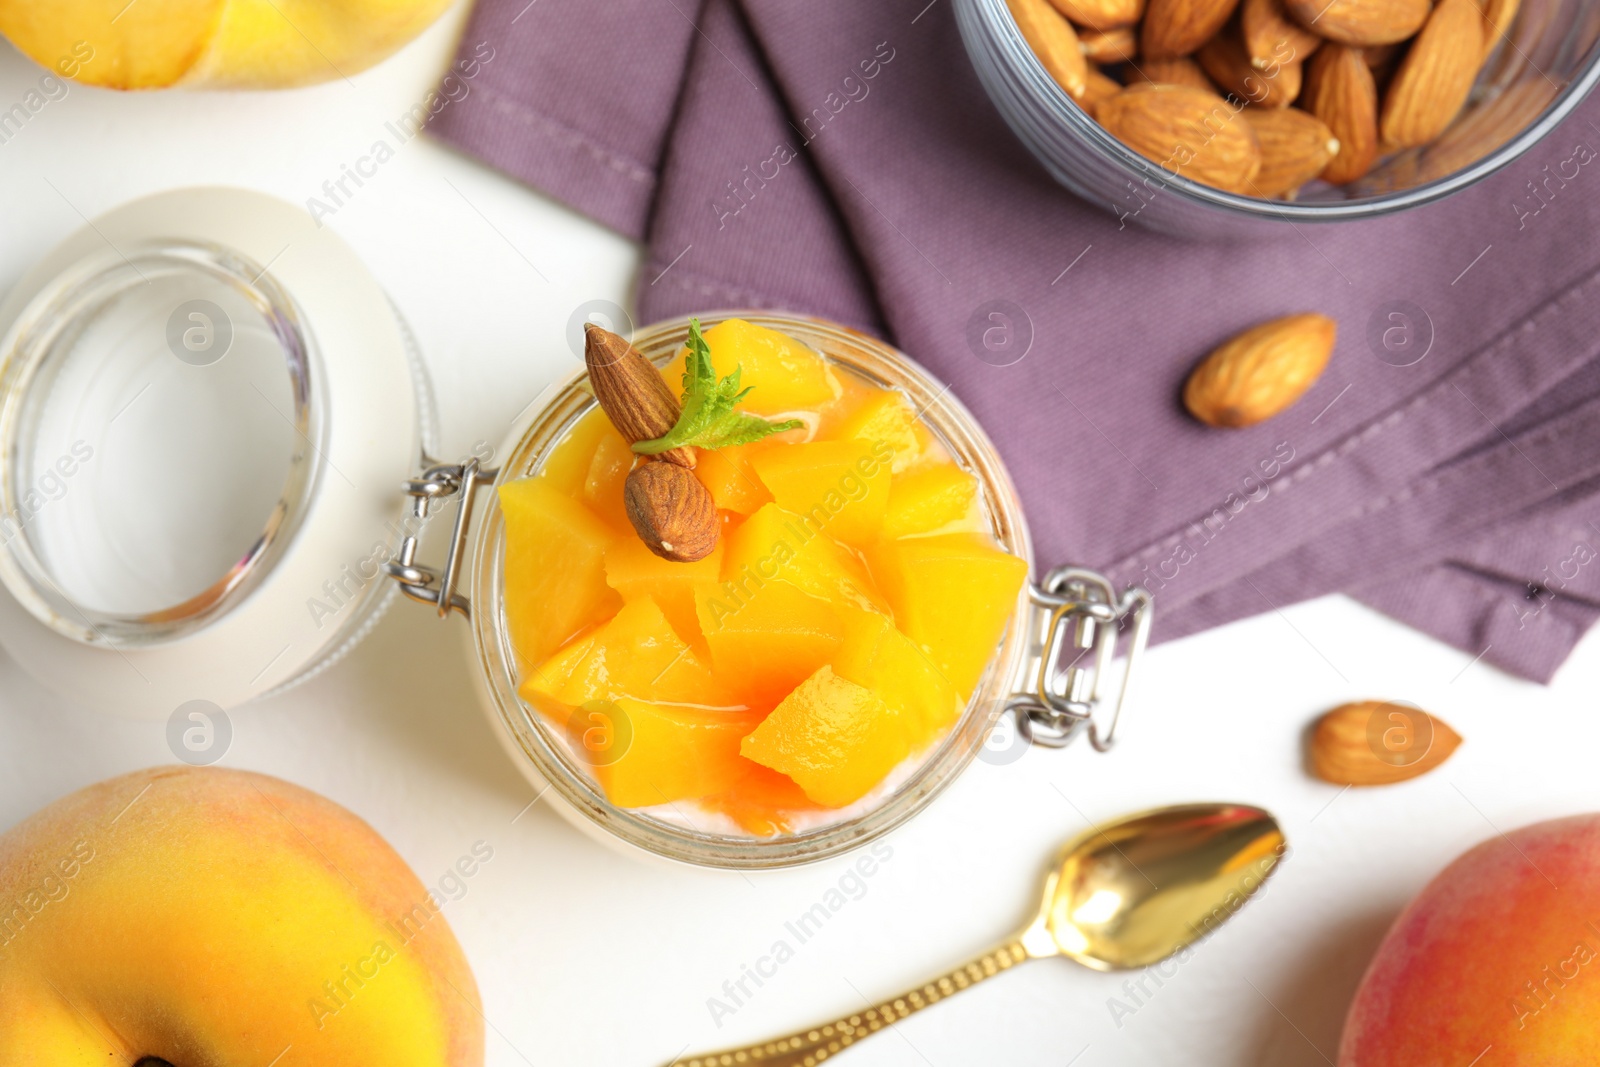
(584, 956)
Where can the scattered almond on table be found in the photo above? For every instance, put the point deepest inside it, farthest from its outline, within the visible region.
(1375, 742)
(1258, 373)
(1380, 76)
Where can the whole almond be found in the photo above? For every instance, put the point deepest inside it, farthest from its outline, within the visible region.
(632, 392)
(1101, 14)
(672, 511)
(1174, 28)
(1485, 129)
(1497, 18)
(1382, 59)
(1374, 742)
(1379, 56)
(1360, 22)
(1270, 36)
(1433, 80)
(1188, 131)
(1181, 71)
(1110, 46)
(1054, 42)
(1098, 86)
(1341, 92)
(1224, 59)
(1261, 371)
(1295, 147)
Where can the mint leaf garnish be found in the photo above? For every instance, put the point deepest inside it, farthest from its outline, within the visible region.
(708, 418)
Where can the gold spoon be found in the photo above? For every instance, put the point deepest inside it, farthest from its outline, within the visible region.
(1126, 894)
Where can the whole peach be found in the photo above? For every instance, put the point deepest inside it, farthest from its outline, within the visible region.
(1495, 963)
(202, 916)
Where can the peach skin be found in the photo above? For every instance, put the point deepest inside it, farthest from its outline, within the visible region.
(1495, 963)
(200, 916)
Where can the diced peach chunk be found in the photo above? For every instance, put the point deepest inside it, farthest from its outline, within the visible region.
(841, 486)
(635, 655)
(953, 595)
(568, 463)
(768, 641)
(785, 374)
(763, 802)
(885, 416)
(835, 738)
(554, 567)
(774, 544)
(727, 474)
(636, 572)
(668, 752)
(927, 498)
(602, 484)
(541, 682)
(876, 655)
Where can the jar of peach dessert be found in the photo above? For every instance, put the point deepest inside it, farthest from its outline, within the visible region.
(863, 623)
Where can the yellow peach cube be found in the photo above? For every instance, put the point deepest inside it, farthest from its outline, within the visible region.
(927, 498)
(785, 374)
(768, 641)
(636, 572)
(841, 486)
(885, 416)
(727, 475)
(602, 484)
(567, 466)
(876, 655)
(778, 545)
(654, 753)
(952, 594)
(836, 739)
(554, 567)
(635, 655)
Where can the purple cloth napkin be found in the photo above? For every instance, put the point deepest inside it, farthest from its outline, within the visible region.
(840, 159)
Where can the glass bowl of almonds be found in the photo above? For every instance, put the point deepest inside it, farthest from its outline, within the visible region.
(1217, 118)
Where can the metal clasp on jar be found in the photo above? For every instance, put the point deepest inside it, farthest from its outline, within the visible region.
(439, 482)
(1051, 706)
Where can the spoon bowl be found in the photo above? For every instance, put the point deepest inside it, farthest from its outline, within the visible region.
(1133, 892)
(1126, 894)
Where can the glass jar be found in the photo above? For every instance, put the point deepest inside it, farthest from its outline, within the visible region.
(215, 432)
(1051, 707)
(1545, 67)
(206, 403)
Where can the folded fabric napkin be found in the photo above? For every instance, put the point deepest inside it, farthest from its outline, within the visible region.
(841, 159)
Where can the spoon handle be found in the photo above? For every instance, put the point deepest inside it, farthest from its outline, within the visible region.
(807, 1048)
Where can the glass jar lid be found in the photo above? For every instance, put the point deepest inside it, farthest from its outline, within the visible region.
(157, 460)
(206, 408)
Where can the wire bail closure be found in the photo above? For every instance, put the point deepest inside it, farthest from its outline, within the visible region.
(439, 482)
(1071, 604)
(1080, 606)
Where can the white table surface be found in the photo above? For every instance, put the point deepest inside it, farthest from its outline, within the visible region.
(587, 957)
